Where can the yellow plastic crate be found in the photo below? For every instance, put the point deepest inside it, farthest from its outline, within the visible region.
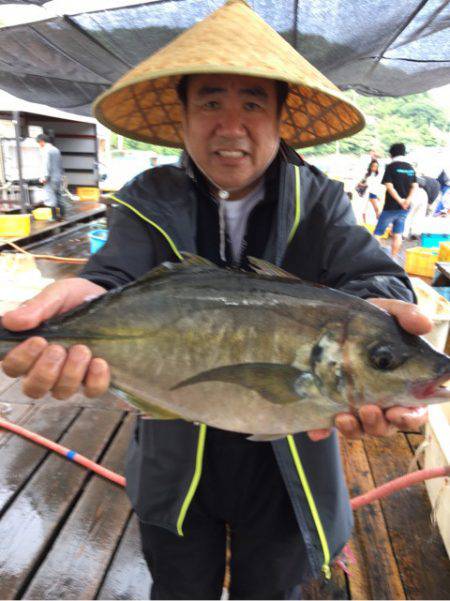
(14, 225)
(85, 193)
(444, 251)
(42, 213)
(371, 228)
(421, 261)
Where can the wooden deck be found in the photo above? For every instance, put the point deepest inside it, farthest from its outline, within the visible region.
(68, 534)
(79, 212)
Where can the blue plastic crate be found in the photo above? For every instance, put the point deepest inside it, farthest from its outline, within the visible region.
(97, 240)
(443, 291)
(433, 240)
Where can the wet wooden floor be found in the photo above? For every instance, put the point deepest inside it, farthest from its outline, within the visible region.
(67, 534)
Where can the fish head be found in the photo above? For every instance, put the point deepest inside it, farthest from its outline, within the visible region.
(385, 365)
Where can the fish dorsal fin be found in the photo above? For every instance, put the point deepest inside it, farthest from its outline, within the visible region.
(189, 261)
(266, 268)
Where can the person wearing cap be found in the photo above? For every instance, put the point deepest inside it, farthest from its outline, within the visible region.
(238, 110)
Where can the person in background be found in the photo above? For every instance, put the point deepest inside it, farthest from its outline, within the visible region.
(373, 193)
(51, 178)
(401, 185)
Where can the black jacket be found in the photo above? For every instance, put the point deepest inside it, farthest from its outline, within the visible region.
(306, 225)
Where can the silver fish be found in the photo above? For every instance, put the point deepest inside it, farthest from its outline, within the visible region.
(260, 353)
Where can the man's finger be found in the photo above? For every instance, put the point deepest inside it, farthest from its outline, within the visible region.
(22, 357)
(348, 425)
(409, 419)
(97, 378)
(316, 435)
(44, 374)
(374, 422)
(73, 372)
(33, 312)
(409, 316)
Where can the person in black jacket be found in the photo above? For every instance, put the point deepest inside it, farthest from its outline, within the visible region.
(241, 191)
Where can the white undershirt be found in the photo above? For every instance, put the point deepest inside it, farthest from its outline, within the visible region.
(236, 217)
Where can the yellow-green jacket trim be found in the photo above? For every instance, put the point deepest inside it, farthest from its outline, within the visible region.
(297, 203)
(312, 506)
(202, 431)
(195, 479)
(155, 225)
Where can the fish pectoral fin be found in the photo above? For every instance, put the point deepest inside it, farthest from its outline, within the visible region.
(148, 409)
(277, 383)
(265, 437)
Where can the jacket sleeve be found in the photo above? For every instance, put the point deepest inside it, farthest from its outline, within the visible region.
(351, 259)
(133, 248)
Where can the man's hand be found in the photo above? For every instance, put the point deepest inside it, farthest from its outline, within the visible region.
(371, 419)
(49, 367)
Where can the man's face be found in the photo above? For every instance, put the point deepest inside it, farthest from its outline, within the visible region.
(231, 128)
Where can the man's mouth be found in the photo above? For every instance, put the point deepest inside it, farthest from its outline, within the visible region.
(231, 154)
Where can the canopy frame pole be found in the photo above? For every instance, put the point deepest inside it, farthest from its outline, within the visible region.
(24, 200)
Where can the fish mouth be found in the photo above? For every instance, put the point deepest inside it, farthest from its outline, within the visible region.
(435, 388)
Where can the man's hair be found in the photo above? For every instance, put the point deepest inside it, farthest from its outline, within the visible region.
(281, 90)
(397, 150)
(42, 138)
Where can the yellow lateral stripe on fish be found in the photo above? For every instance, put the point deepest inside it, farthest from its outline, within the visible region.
(297, 203)
(195, 479)
(166, 236)
(312, 506)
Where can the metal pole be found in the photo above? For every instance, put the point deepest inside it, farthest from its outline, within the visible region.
(23, 191)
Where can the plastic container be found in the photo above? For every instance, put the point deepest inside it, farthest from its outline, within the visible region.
(421, 261)
(443, 291)
(86, 193)
(97, 239)
(42, 213)
(434, 240)
(444, 251)
(15, 225)
(370, 227)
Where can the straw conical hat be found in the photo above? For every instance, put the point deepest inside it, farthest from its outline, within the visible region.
(144, 105)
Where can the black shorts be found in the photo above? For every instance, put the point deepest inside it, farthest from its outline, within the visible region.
(241, 487)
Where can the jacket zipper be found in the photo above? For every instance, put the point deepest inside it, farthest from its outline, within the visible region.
(202, 428)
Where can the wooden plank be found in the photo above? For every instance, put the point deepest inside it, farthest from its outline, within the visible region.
(31, 522)
(128, 576)
(5, 381)
(375, 574)
(20, 457)
(79, 558)
(421, 557)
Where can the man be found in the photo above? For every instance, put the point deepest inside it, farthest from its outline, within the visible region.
(52, 173)
(401, 185)
(242, 191)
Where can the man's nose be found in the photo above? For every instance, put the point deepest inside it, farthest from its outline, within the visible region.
(231, 124)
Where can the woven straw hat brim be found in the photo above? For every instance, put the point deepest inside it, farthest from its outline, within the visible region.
(144, 105)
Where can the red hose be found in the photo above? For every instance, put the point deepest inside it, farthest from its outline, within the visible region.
(68, 453)
(403, 482)
(365, 499)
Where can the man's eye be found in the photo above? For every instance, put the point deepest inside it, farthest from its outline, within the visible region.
(212, 104)
(252, 106)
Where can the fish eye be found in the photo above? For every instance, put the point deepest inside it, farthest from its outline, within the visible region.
(382, 357)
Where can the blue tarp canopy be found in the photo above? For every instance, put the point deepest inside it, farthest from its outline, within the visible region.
(377, 47)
